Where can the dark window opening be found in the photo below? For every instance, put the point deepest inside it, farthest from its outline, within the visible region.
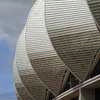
(71, 82)
(49, 95)
(96, 70)
(97, 94)
(76, 98)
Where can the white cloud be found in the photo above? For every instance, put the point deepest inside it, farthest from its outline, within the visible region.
(12, 18)
(3, 35)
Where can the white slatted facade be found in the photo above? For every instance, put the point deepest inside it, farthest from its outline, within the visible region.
(21, 91)
(59, 36)
(27, 74)
(73, 33)
(95, 9)
(42, 55)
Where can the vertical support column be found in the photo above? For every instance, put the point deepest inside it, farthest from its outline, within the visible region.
(87, 94)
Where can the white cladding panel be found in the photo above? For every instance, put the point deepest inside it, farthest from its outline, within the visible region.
(42, 55)
(73, 33)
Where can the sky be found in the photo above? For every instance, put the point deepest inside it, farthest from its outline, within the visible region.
(13, 15)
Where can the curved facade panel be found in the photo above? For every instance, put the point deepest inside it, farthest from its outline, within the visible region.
(73, 33)
(58, 51)
(95, 8)
(27, 74)
(21, 92)
(43, 56)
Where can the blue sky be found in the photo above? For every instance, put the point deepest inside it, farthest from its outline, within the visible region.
(13, 14)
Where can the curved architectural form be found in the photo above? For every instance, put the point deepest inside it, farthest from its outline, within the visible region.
(42, 55)
(58, 52)
(73, 33)
(27, 74)
(21, 91)
(95, 9)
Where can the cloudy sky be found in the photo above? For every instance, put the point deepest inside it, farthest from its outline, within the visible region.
(13, 14)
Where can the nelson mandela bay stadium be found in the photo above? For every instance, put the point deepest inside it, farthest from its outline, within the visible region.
(58, 52)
